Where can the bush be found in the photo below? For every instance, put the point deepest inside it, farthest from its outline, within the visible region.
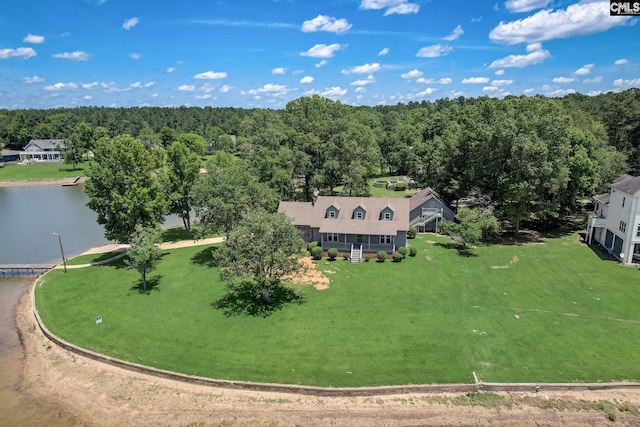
(413, 251)
(316, 253)
(402, 251)
(400, 186)
(332, 253)
(312, 245)
(411, 234)
(397, 257)
(382, 255)
(346, 256)
(367, 258)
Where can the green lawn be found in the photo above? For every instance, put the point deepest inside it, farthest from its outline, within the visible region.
(42, 171)
(552, 311)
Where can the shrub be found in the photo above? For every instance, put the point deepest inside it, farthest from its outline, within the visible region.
(397, 257)
(400, 186)
(413, 251)
(402, 251)
(346, 256)
(367, 258)
(382, 255)
(316, 253)
(332, 253)
(411, 234)
(312, 245)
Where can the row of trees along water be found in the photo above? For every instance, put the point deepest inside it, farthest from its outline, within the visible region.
(523, 155)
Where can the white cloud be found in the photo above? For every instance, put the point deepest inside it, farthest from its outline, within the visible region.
(596, 79)
(187, 88)
(306, 80)
(170, 70)
(576, 20)
(363, 69)
(384, 51)
(225, 88)
(621, 61)
(499, 72)
(141, 85)
(401, 7)
(445, 80)
(561, 92)
(323, 50)
(90, 85)
(427, 91)
(363, 82)
(530, 90)
(321, 63)
(520, 61)
(412, 74)
(563, 79)
(270, 89)
(478, 19)
(61, 86)
(21, 52)
(326, 23)
(334, 91)
(422, 80)
(584, 70)
(279, 70)
(525, 5)
(34, 79)
(135, 55)
(130, 23)
(87, 97)
(211, 75)
(490, 89)
(475, 80)
(73, 56)
(360, 89)
(32, 38)
(434, 51)
(457, 32)
(501, 82)
(628, 83)
(205, 96)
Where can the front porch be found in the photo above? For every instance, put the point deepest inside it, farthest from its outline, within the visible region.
(369, 243)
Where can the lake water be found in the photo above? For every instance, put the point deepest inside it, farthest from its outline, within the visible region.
(28, 218)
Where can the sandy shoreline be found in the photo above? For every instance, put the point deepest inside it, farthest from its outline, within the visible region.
(40, 182)
(93, 393)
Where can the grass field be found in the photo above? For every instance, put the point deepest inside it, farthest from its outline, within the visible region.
(547, 311)
(42, 171)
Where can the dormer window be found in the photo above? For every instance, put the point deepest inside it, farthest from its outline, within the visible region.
(359, 215)
(332, 214)
(386, 216)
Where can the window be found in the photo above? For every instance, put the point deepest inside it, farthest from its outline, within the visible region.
(359, 215)
(359, 238)
(332, 214)
(432, 204)
(623, 226)
(624, 199)
(332, 237)
(638, 231)
(385, 240)
(386, 216)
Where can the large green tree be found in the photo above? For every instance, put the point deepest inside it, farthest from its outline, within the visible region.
(262, 248)
(144, 252)
(183, 167)
(124, 187)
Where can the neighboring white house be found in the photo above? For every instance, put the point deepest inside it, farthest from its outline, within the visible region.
(615, 223)
(43, 149)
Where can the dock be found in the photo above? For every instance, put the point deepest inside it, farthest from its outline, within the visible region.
(25, 269)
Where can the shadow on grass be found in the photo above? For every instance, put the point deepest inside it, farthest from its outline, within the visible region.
(462, 250)
(245, 299)
(71, 169)
(206, 257)
(152, 285)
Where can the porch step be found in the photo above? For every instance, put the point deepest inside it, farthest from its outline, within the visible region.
(356, 255)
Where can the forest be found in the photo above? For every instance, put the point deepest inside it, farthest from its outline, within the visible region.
(523, 156)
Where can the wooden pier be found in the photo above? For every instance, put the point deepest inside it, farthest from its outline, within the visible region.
(25, 269)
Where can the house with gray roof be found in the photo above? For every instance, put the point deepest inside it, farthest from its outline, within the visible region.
(615, 222)
(43, 150)
(352, 224)
(427, 208)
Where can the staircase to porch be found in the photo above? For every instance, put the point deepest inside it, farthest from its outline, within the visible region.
(356, 253)
(428, 215)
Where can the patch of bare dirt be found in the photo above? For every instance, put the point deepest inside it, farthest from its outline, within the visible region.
(308, 275)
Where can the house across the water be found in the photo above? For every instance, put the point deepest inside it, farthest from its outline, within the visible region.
(615, 223)
(365, 224)
(43, 150)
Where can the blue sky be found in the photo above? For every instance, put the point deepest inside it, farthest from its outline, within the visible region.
(264, 53)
